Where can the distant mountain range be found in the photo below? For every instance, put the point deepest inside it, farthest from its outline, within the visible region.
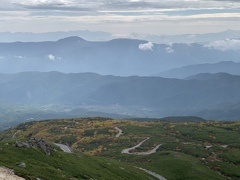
(104, 36)
(183, 72)
(210, 96)
(53, 36)
(190, 38)
(122, 57)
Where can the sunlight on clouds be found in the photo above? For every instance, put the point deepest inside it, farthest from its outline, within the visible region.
(51, 57)
(224, 45)
(146, 47)
(217, 15)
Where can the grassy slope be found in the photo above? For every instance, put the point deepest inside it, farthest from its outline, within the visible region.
(182, 155)
(60, 165)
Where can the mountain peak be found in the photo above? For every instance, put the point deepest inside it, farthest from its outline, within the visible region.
(72, 39)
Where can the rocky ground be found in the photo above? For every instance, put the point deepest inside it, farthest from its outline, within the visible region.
(36, 143)
(8, 174)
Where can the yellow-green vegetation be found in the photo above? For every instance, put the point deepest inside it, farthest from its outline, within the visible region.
(189, 150)
(61, 166)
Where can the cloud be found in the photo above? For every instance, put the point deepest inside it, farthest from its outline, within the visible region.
(224, 45)
(146, 47)
(99, 5)
(63, 5)
(169, 50)
(51, 57)
(20, 57)
(120, 16)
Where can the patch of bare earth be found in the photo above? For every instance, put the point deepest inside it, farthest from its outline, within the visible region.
(8, 174)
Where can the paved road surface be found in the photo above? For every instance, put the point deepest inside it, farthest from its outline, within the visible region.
(127, 151)
(64, 148)
(119, 132)
(152, 173)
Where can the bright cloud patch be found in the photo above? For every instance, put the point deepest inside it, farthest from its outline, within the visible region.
(224, 45)
(146, 46)
(51, 57)
(169, 50)
(20, 57)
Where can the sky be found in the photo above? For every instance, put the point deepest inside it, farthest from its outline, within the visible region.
(120, 17)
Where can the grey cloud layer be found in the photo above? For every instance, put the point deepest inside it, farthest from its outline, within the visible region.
(90, 5)
(120, 16)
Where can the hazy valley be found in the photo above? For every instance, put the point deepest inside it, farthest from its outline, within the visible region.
(171, 110)
(44, 95)
(120, 90)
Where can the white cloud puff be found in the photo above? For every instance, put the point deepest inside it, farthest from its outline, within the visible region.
(169, 50)
(224, 45)
(51, 57)
(146, 47)
(20, 57)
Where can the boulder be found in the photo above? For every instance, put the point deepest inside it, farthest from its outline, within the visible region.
(22, 165)
(22, 145)
(36, 143)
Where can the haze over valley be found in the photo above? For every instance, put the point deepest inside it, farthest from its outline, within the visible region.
(120, 89)
(123, 78)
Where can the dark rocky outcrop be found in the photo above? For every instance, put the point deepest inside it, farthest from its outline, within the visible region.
(36, 143)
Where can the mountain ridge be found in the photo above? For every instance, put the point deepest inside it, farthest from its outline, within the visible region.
(229, 67)
(105, 36)
(133, 96)
(121, 57)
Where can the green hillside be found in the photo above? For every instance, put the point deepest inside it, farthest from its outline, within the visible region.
(45, 95)
(60, 165)
(187, 150)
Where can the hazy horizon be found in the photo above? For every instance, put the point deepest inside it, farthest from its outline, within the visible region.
(120, 17)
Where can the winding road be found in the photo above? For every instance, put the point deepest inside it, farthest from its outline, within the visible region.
(127, 151)
(152, 173)
(119, 132)
(67, 149)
